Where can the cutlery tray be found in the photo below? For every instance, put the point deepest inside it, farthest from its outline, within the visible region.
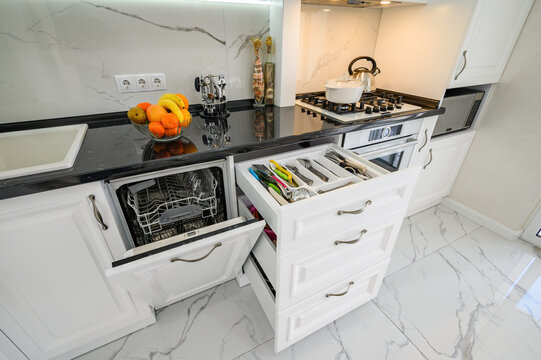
(338, 177)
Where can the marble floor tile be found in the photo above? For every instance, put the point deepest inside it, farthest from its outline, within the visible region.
(364, 333)
(220, 323)
(462, 302)
(426, 232)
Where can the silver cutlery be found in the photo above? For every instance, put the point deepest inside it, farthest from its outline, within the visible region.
(296, 171)
(308, 165)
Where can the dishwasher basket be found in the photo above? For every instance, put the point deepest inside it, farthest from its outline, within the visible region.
(172, 199)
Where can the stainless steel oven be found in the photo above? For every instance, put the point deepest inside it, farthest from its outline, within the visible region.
(390, 147)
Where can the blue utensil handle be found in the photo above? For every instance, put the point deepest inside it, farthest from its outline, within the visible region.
(253, 173)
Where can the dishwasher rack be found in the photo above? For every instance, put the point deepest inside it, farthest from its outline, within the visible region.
(176, 197)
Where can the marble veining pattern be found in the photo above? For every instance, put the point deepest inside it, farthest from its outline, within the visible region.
(465, 293)
(61, 56)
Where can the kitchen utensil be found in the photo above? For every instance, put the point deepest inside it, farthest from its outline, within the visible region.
(299, 175)
(308, 165)
(362, 74)
(277, 196)
(281, 168)
(345, 90)
(326, 168)
(357, 169)
(212, 89)
(338, 187)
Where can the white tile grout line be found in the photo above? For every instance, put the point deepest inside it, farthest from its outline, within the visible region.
(252, 349)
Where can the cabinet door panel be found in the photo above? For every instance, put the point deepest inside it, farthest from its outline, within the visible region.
(440, 170)
(493, 31)
(51, 281)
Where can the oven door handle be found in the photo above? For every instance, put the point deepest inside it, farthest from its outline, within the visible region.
(372, 154)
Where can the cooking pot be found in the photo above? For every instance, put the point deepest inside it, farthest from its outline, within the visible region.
(363, 74)
(345, 90)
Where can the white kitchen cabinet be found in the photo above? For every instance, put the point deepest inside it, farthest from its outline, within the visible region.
(440, 168)
(55, 300)
(491, 36)
(8, 350)
(332, 249)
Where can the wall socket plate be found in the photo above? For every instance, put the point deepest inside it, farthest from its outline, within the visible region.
(140, 82)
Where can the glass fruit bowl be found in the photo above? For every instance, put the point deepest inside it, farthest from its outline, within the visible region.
(143, 129)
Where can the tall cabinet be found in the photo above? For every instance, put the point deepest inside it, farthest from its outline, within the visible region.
(491, 36)
(55, 301)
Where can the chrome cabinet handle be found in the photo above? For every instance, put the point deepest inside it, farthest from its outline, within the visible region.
(426, 140)
(217, 245)
(352, 241)
(429, 161)
(464, 66)
(97, 213)
(342, 293)
(366, 204)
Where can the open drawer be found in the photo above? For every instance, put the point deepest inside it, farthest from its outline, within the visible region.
(307, 221)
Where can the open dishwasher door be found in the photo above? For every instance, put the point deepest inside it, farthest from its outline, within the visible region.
(181, 232)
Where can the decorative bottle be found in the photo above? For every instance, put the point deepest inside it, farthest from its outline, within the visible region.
(257, 82)
(269, 73)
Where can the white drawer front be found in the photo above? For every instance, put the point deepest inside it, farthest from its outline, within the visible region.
(263, 293)
(298, 224)
(318, 311)
(159, 281)
(304, 273)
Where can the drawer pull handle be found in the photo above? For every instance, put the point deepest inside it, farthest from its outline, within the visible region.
(352, 241)
(217, 245)
(426, 140)
(342, 293)
(429, 161)
(464, 66)
(97, 213)
(366, 204)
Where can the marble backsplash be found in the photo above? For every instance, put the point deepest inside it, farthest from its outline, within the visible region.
(330, 37)
(59, 57)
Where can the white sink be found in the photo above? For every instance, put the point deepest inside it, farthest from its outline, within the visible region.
(39, 150)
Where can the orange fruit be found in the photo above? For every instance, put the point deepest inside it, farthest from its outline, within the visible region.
(189, 148)
(170, 121)
(171, 132)
(144, 105)
(155, 113)
(184, 100)
(157, 129)
(175, 148)
(186, 114)
(159, 147)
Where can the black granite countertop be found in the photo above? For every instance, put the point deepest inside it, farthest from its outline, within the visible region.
(113, 148)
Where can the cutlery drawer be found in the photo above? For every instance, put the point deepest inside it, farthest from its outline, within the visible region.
(306, 272)
(303, 222)
(328, 305)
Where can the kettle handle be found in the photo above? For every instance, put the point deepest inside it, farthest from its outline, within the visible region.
(368, 58)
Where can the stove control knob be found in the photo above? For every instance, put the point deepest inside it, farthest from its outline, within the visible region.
(314, 114)
(376, 109)
(323, 117)
(400, 99)
(308, 112)
(390, 107)
(303, 110)
(383, 107)
(368, 110)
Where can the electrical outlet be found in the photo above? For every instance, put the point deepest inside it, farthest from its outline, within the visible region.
(140, 82)
(157, 81)
(124, 83)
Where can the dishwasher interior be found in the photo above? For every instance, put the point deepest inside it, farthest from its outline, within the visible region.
(173, 206)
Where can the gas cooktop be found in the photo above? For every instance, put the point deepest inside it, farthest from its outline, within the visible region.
(371, 106)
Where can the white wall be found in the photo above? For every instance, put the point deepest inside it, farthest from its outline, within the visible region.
(501, 176)
(58, 57)
(329, 40)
